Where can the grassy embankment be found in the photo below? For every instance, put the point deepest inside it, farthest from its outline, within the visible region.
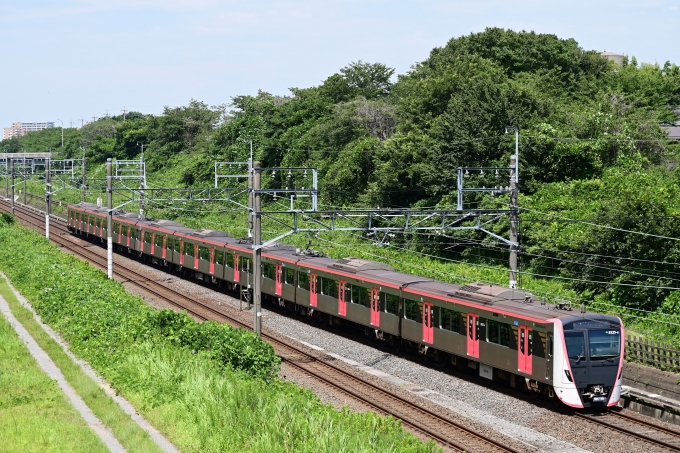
(35, 415)
(208, 387)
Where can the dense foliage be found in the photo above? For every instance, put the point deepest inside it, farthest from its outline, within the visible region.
(591, 148)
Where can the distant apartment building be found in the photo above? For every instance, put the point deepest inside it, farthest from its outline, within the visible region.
(19, 129)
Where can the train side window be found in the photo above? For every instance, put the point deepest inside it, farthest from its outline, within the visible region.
(230, 259)
(219, 257)
(329, 287)
(450, 320)
(169, 243)
(158, 240)
(268, 271)
(498, 333)
(147, 237)
(176, 245)
(189, 249)
(115, 228)
(413, 310)
(303, 280)
(289, 276)
(204, 253)
(389, 303)
(244, 264)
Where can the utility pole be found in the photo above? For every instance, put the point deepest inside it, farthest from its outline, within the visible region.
(109, 219)
(142, 182)
(513, 222)
(62, 132)
(124, 113)
(257, 248)
(24, 176)
(250, 190)
(11, 171)
(84, 177)
(48, 198)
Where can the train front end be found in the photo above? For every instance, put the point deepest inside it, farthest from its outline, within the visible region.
(588, 360)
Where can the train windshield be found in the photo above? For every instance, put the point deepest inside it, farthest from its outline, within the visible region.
(576, 343)
(604, 344)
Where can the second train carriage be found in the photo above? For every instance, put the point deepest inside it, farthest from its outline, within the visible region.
(505, 334)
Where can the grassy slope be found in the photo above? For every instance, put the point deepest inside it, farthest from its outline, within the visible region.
(128, 433)
(35, 416)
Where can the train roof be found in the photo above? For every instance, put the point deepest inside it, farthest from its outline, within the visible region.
(515, 302)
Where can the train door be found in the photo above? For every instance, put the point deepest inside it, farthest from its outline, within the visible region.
(428, 328)
(120, 233)
(153, 242)
(164, 253)
(279, 279)
(342, 302)
(375, 307)
(196, 256)
(128, 233)
(312, 290)
(212, 260)
(237, 271)
(473, 335)
(181, 252)
(525, 350)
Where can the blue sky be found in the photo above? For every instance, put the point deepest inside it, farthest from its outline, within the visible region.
(73, 59)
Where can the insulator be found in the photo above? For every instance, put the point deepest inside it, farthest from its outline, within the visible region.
(275, 198)
(467, 173)
(496, 172)
(481, 173)
(273, 174)
(289, 174)
(305, 174)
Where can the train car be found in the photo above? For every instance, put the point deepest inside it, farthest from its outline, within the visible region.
(504, 334)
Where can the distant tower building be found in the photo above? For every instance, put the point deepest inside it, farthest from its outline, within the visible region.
(19, 129)
(615, 57)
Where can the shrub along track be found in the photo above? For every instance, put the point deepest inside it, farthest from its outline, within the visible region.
(429, 424)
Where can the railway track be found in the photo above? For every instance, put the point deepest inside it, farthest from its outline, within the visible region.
(444, 431)
(640, 429)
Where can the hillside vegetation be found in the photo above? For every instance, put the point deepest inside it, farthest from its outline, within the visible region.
(598, 179)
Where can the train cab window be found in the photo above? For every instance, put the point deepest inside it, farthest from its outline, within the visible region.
(413, 310)
(550, 345)
(498, 333)
(268, 271)
(158, 240)
(329, 287)
(219, 257)
(450, 320)
(204, 253)
(604, 344)
(303, 280)
(576, 345)
(289, 276)
(389, 303)
(188, 249)
(230, 259)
